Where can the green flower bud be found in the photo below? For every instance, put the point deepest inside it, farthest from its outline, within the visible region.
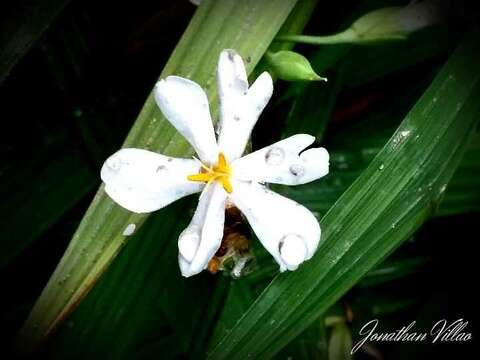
(395, 22)
(390, 23)
(291, 66)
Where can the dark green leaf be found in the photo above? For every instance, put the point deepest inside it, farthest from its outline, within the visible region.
(49, 190)
(386, 204)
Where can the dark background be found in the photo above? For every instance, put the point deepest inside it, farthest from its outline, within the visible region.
(69, 102)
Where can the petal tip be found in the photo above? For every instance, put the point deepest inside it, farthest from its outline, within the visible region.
(267, 78)
(293, 251)
(310, 138)
(188, 244)
(160, 84)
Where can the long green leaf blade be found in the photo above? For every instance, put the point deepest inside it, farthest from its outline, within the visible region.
(249, 27)
(114, 313)
(387, 203)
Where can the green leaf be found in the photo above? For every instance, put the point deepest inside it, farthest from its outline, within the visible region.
(462, 195)
(240, 297)
(366, 64)
(33, 187)
(21, 26)
(164, 309)
(385, 205)
(135, 297)
(248, 27)
(312, 107)
(392, 269)
(311, 344)
(356, 147)
(340, 344)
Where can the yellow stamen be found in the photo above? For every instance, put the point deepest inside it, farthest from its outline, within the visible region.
(227, 185)
(206, 168)
(202, 177)
(220, 172)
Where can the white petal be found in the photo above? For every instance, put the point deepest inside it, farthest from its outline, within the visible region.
(199, 242)
(288, 230)
(143, 181)
(281, 163)
(231, 74)
(185, 105)
(240, 107)
(184, 265)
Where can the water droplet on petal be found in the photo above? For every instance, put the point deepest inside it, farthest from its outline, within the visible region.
(114, 164)
(293, 250)
(188, 244)
(274, 156)
(297, 170)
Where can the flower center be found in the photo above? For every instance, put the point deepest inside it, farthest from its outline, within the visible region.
(220, 172)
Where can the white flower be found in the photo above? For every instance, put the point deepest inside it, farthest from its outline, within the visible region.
(143, 181)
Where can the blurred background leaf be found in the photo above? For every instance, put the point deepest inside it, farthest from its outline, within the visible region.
(22, 24)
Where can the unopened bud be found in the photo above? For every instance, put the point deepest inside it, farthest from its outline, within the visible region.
(292, 66)
(395, 22)
(390, 23)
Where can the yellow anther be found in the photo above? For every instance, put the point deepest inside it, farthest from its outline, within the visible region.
(222, 162)
(220, 172)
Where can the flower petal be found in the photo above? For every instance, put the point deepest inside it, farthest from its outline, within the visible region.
(240, 107)
(231, 74)
(288, 230)
(185, 105)
(199, 242)
(281, 163)
(143, 181)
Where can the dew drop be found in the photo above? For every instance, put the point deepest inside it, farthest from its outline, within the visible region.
(161, 168)
(297, 170)
(274, 156)
(114, 163)
(129, 230)
(231, 55)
